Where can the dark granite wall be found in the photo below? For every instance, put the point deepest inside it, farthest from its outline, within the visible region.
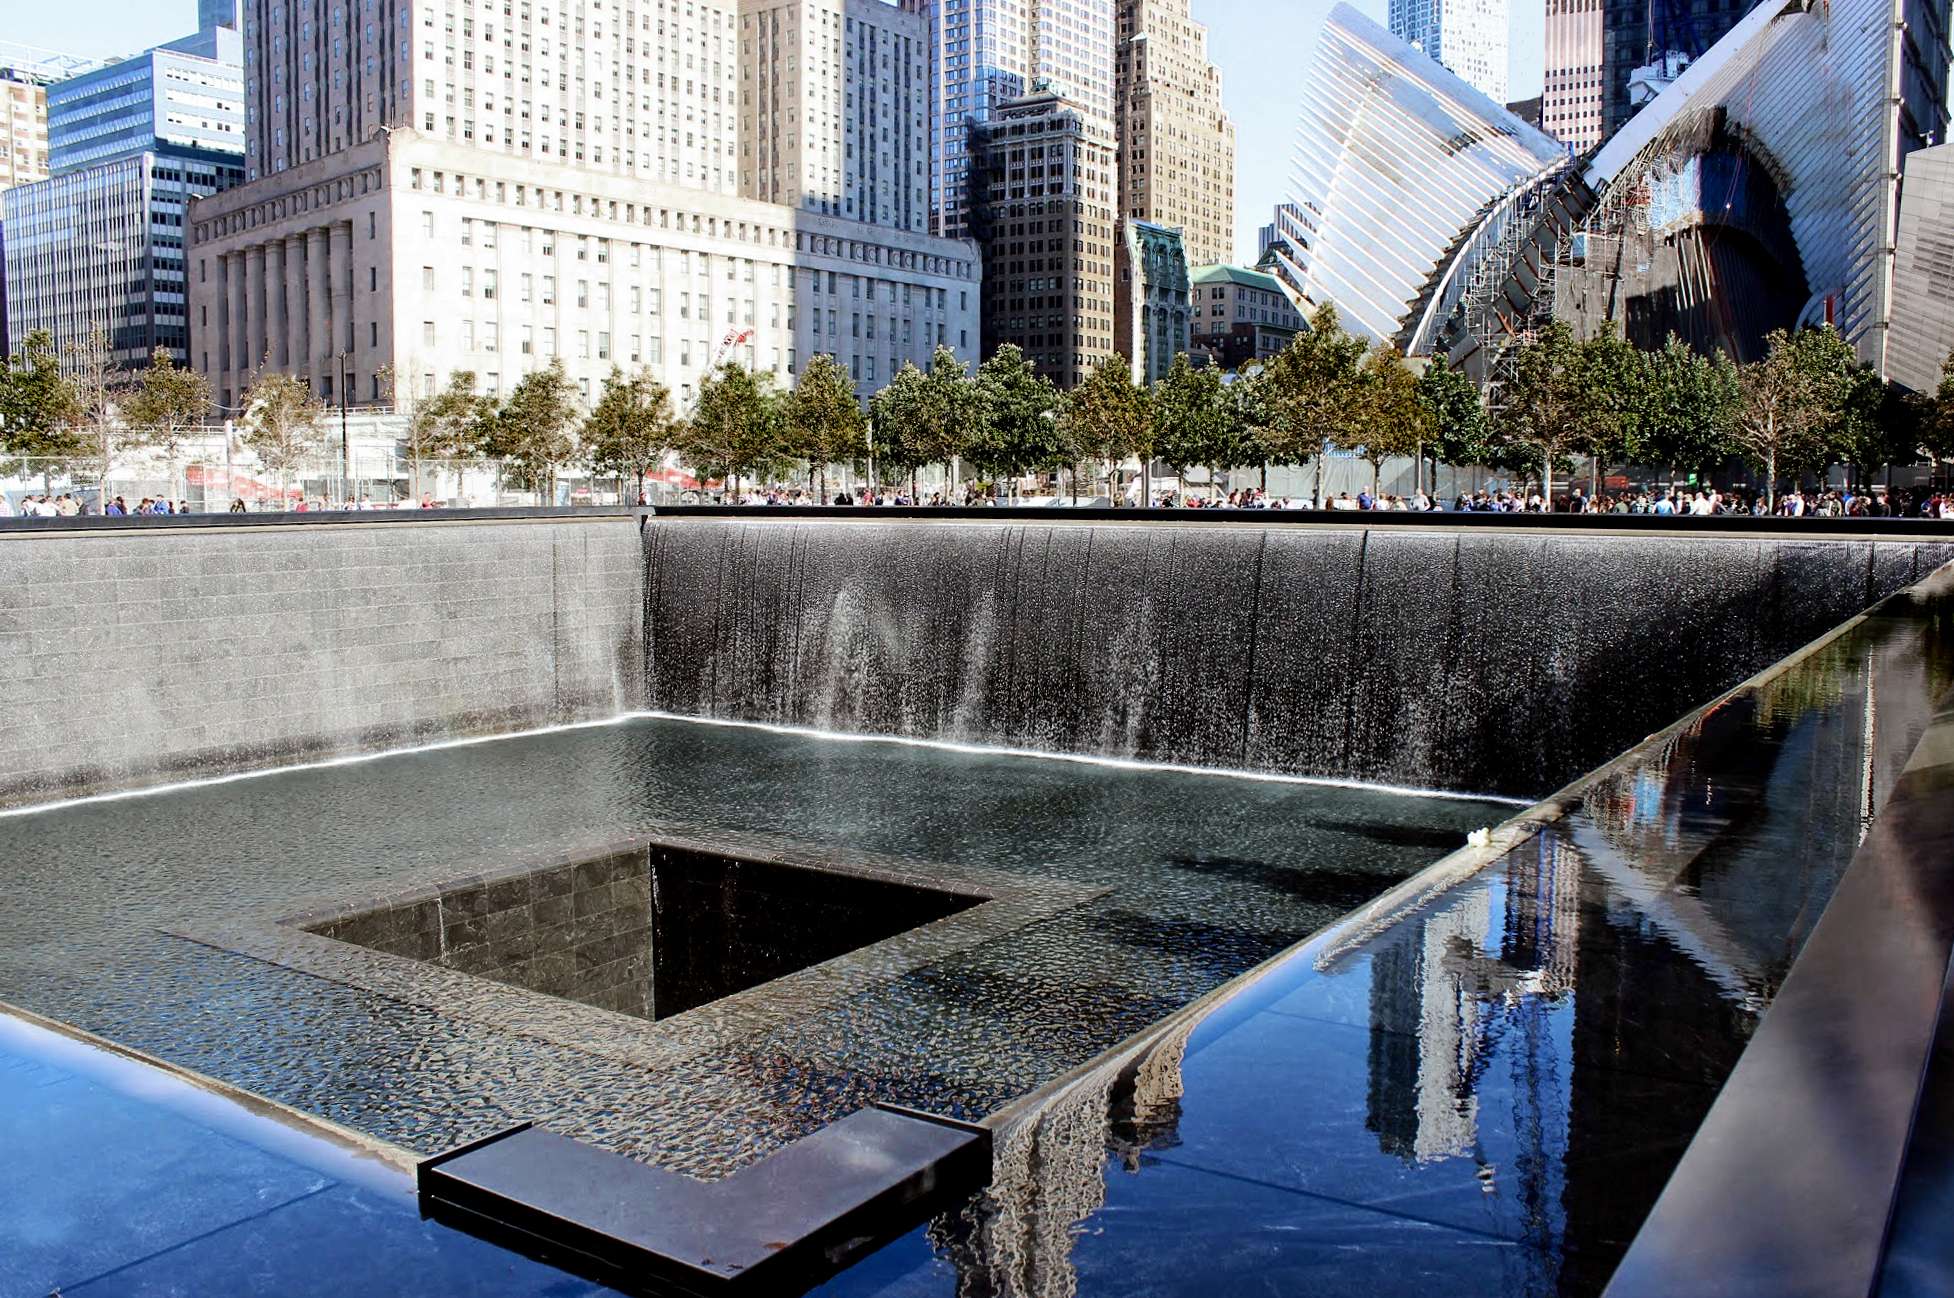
(135, 657)
(581, 931)
(1497, 662)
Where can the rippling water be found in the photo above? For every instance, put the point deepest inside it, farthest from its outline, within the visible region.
(1205, 875)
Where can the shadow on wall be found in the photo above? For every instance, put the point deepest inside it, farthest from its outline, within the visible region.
(1501, 664)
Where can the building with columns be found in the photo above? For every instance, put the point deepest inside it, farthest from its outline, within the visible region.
(1176, 142)
(488, 186)
(1151, 307)
(834, 109)
(376, 272)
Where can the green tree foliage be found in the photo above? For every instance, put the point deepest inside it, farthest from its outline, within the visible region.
(823, 421)
(1613, 376)
(1194, 419)
(531, 432)
(163, 404)
(1936, 419)
(1543, 407)
(1456, 416)
(1019, 429)
(283, 424)
(1387, 419)
(454, 424)
(735, 426)
(1789, 400)
(630, 428)
(1105, 418)
(927, 417)
(1305, 397)
(38, 408)
(1688, 407)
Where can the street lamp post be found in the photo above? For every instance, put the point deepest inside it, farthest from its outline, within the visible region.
(345, 442)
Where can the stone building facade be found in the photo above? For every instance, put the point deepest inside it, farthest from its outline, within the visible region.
(834, 109)
(1046, 187)
(1176, 141)
(1152, 310)
(377, 272)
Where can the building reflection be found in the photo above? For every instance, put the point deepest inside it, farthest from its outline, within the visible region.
(1559, 1021)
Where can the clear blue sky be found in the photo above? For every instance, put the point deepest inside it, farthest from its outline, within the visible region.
(1261, 46)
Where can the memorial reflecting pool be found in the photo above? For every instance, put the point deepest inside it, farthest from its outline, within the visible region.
(1125, 894)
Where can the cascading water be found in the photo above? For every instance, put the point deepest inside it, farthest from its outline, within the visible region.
(1488, 662)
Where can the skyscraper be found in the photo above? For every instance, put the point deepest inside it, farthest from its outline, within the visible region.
(834, 109)
(1044, 185)
(23, 126)
(1572, 87)
(490, 186)
(100, 243)
(1176, 142)
(986, 52)
(1665, 35)
(1466, 37)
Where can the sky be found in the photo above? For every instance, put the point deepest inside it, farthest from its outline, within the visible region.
(1261, 47)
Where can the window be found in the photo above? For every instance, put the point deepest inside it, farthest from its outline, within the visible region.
(427, 278)
(427, 224)
(488, 284)
(427, 333)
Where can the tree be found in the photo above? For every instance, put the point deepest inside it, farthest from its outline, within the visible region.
(1307, 394)
(1019, 432)
(452, 424)
(1105, 418)
(1689, 403)
(735, 425)
(1455, 415)
(823, 421)
(92, 371)
(1613, 377)
(162, 404)
(531, 431)
(1194, 420)
(1786, 399)
(38, 408)
(629, 430)
(1387, 418)
(1542, 407)
(282, 425)
(1936, 428)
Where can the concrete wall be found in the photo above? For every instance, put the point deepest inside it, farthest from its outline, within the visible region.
(140, 655)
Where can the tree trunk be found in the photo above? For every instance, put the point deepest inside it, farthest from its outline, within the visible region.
(1146, 485)
(1377, 477)
(1594, 476)
(1771, 477)
(1316, 492)
(1547, 482)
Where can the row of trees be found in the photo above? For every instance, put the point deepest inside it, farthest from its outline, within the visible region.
(1807, 404)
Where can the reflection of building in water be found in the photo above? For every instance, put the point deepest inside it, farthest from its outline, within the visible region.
(1446, 991)
(1049, 1173)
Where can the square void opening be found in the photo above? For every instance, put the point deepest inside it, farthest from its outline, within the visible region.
(649, 931)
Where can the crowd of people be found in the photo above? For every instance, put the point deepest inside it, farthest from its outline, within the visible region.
(1878, 502)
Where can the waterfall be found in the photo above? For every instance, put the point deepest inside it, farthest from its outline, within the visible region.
(1497, 662)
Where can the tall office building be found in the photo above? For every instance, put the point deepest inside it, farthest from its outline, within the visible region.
(1176, 142)
(984, 53)
(1572, 86)
(1045, 187)
(165, 98)
(1152, 308)
(834, 109)
(1466, 37)
(1661, 36)
(490, 185)
(23, 127)
(100, 243)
